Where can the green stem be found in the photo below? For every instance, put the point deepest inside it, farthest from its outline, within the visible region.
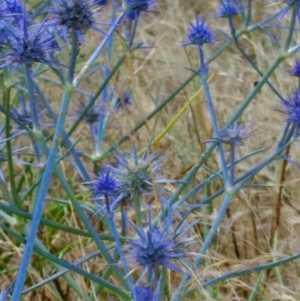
(137, 209)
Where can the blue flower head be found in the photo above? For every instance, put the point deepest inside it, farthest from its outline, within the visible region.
(291, 107)
(139, 174)
(199, 33)
(233, 135)
(295, 71)
(77, 15)
(106, 184)
(161, 245)
(27, 45)
(227, 9)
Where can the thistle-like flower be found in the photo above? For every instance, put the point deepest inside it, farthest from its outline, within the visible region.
(199, 33)
(295, 71)
(26, 45)
(106, 184)
(139, 174)
(227, 9)
(160, 245)
(291, 107)
(233, 135)
(106, 187)
(77, 15)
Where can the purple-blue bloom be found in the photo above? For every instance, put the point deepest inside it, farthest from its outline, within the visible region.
(227, 9)
(160, 245)
(106, 184)
(77, 15)
(199, 33)
(295, 71)
(26, 45)
(291, 107)
(233, 135)
(139, 174)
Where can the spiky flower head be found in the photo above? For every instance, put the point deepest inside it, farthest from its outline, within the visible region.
(227, 9)
(139, 174)
(291, 107)
(106, 187)
(295, 71)
(199, 33)
(233, 135)
(161, 245)
(77, 15)
(106, 184)
(27, 45)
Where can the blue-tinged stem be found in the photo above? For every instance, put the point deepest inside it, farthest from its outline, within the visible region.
(97, 151)
(32, 101)
(98, 50)
(266, 20)
(288, 132)
(39, 203)
(188, 177)
(133, 28)
(110, 42)
(137, 209)
(203, 73)
(291, 29)
(34, 115)
(249, 10)
(207, 242)
(81, 168)
(232, 165)
(231, 26)
(115, 234)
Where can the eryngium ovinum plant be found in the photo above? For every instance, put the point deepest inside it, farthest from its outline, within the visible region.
(68, 180)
